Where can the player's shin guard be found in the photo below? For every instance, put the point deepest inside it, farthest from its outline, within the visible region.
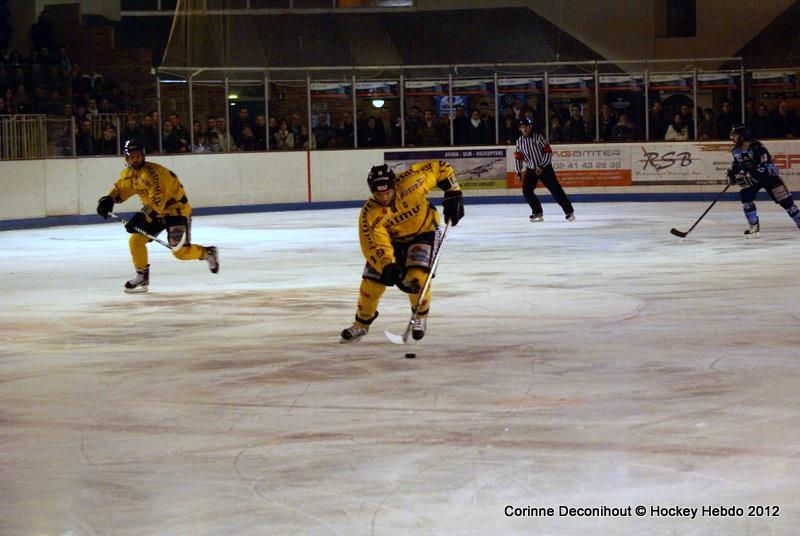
(750, 212)
(794, 213)
(138, 246)
(420, 276)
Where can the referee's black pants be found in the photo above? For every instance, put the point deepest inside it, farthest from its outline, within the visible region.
(548, 178)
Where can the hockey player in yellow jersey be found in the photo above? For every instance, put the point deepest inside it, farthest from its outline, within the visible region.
(399, 233)
(165, 206)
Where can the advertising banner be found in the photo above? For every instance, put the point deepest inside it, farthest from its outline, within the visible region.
(476, 169)
(680, 163)
(330, 91)
(592, 165)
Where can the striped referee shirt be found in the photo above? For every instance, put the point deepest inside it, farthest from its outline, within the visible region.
(533, 151)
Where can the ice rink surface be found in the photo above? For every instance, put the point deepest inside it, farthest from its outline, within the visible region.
(598, 363)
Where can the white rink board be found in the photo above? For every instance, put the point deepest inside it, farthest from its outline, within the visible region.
(36, 188)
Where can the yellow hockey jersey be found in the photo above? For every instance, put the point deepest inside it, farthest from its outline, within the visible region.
(159, 189)
(409, 215)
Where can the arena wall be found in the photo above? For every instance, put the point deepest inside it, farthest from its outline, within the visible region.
(52, 192)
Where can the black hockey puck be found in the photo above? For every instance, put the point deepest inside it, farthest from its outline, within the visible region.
(411, 356)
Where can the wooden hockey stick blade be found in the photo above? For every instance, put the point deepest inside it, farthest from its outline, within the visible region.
(677, 232)
(396, 339)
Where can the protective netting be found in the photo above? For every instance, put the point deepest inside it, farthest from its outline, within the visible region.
(405, 67)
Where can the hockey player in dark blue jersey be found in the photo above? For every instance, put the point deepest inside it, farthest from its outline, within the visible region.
(753, 169)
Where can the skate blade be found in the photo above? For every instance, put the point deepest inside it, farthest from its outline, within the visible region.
(137, 290)
(751, 235)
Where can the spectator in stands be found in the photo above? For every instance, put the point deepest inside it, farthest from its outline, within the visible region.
(444, 128)
(487, 117)
(56, 103)
(3, 109)
(91, 107)
(20, 103)
(260, 132)
(371, 135)
(429, 134)
(200, 145)
(64, 62)
(658, 121)
(273, 128)
(784, 122)
(509, 128)
(238, 123)
(306, 140)
(726, 120)
(608, 120)
(170, 142)
(413, 125)
(43, 33)
(84, 142)
(556, 129)
(707, 128)
(624, 130)
(46, 58)
(518, 112)
(295, 126)
(106, 144)
(677, 130)
(750, 113)
(180, 131)
(576, 129)
(149, 134)
(345, 133)
(247, 142)
(361, 120)
(760, 125)
(213, 142)
(391, 130)
(211, 125)
(284, 138)
(323, 131)
(688, 119)
(477, 130)
(197, 129)
(225, 141)
(461, 127)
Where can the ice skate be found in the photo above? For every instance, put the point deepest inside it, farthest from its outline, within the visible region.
(570, 216)
(140, 282)
(212, 258)
(354, 333)
(420, 324)
(753, 231)
(536, 217)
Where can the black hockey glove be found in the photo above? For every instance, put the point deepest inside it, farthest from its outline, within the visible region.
(105, 205)
(453, 205)
(393, 274)
(138, 220)
(739, 179)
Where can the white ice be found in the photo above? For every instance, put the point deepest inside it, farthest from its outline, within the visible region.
(601, 362)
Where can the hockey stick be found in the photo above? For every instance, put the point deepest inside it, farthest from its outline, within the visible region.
(681, 233)
(151, 237)
(398, 339)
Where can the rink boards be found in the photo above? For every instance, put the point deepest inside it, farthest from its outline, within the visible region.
(36, 189)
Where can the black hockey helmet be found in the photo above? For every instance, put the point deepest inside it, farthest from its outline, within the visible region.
(133, 146)
(526, 122)
(380, 178)
(741, 129)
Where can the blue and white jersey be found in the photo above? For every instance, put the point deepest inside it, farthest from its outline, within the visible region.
(755, 161)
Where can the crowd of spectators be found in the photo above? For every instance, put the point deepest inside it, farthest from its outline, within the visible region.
(764, 123)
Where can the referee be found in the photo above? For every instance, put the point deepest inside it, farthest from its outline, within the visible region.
(534, 156)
